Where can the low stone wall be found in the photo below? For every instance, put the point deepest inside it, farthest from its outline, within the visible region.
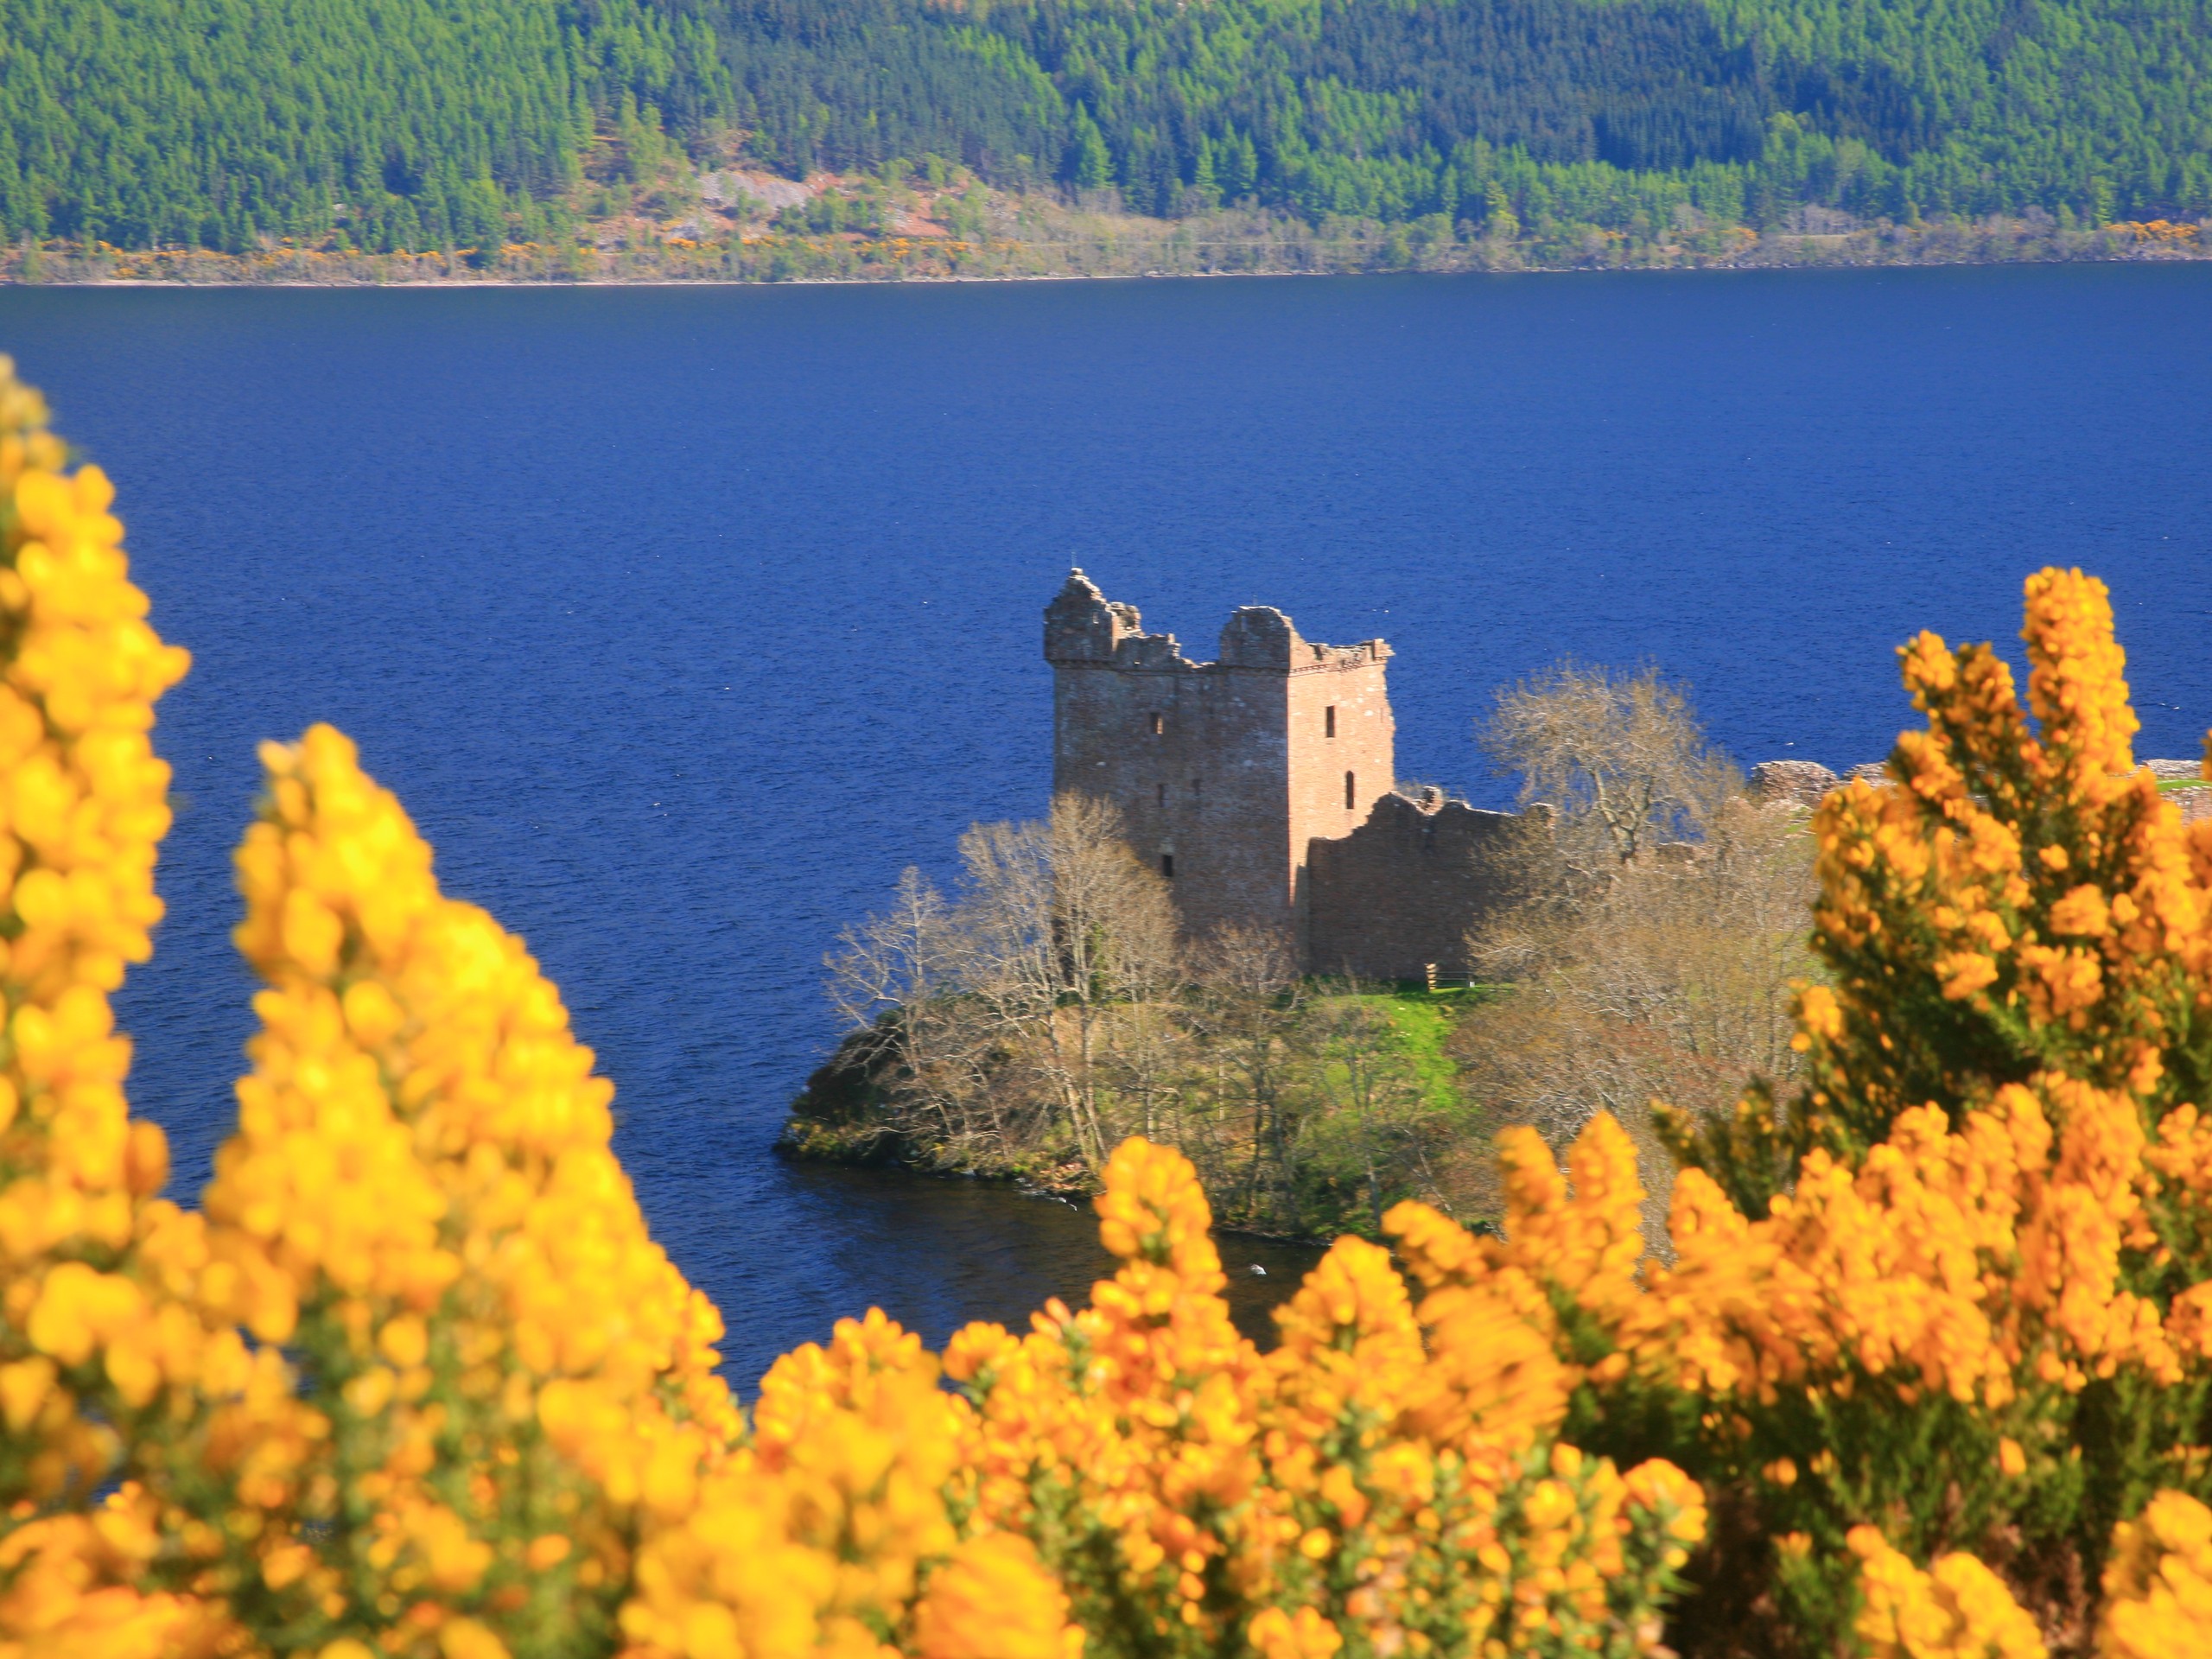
(1403, 890)
(1401, 893)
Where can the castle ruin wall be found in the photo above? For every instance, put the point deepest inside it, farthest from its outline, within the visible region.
(1223, 771)
(1402, 893)
(1261, 785)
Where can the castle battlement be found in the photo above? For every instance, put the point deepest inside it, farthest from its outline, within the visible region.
(1261, 785)
(1084, 629)
(1223, 771)
(1339, 660)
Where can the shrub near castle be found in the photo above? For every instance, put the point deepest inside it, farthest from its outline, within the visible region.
(1049, 1007)
(1930, 1348)
(1024, 1025)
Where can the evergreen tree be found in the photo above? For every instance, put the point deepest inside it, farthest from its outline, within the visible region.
(414, 124)
(1091, 166)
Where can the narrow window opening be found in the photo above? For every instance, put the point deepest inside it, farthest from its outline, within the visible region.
(1163, 795)
(1329, 721)
(1159, 724)
(1168, 865)
(1351, 791)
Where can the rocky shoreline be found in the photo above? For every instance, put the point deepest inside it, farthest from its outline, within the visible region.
(1802, 782)
(1035, 239)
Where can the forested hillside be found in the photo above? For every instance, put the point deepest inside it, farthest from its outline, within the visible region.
(426, 123)
(402, 123)
(1594, 109)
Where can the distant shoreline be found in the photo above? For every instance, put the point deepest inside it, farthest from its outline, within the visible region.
(1120, 251)
(448, 283)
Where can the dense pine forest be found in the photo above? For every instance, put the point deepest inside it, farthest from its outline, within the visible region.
(386, 126)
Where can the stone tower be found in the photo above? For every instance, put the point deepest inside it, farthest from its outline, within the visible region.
(1224, 771)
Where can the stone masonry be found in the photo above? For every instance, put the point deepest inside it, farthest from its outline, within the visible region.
(1223, 771)
(1400, 894)
(1261, 786)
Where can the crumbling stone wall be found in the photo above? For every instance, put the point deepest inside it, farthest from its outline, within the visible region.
(1224, 771)
(1261, 783)
(1403, 890)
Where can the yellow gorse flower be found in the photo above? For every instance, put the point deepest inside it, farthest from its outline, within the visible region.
(422, 1201)
(2159, 1585)
(417, 1382)
(1957, 1610)
(1391, 1476)
(89, 1340)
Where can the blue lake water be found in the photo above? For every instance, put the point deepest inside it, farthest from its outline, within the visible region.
(683, 619)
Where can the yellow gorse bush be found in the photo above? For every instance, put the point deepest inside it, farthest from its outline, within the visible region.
(1380, 1482)
(1957, 1610)
(91, 1343)
(1923, 1373)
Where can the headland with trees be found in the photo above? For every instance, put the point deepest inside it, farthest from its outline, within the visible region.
(1019, 1027)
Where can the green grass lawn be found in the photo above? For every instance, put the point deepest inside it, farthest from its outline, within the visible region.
(1423, 1021)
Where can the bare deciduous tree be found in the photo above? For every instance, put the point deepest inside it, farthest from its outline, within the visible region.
(997, 1008)
(1620, 757)
(893, 976)
(1063, 923)
(1652, 954)
(1247, 1004)
(1672, 979)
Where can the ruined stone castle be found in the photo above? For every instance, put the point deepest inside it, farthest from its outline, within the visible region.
(1262, 784)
